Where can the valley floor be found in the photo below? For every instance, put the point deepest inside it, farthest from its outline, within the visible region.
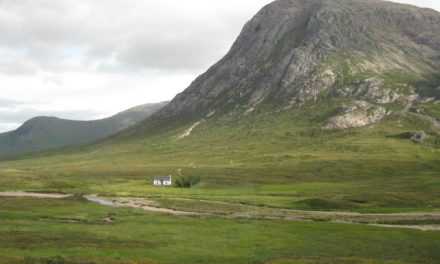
(74, 230)
(425, 221)
(271, 192)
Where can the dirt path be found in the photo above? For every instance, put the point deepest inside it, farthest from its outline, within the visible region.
(326, 213)
(188, 132)
(36, 195)
(434, 121)
(371, 219)
(147, 205)
(11, 170)
(418, 227)
(255, 212)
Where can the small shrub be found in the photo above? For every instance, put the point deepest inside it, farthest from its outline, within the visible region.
(187, 181)
(51, 260)
(321, 219)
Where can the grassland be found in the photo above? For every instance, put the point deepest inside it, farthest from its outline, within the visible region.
(284, 161)
(37, 231)
(272, 161)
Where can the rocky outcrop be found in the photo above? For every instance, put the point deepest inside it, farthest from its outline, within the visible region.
(356, 114)
(188, 131)
(417, 136)
(371, 89)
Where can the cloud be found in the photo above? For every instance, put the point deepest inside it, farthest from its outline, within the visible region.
(11, 118)
(122, 36)
(60, 57)
(4, 127)
(6, 103)
(433, 4)
(80, 35)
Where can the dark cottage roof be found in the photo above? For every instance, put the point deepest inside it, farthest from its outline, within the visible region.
(162, 178)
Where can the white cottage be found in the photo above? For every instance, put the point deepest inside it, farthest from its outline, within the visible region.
(162, 180)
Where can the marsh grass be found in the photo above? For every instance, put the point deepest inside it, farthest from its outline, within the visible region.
(142, 237)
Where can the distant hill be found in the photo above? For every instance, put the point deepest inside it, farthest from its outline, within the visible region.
(41, 133)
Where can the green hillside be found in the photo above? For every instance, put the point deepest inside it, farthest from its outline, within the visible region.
(42, 133)
(283, 160)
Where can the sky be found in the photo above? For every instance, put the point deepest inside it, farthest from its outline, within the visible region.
(89, 59)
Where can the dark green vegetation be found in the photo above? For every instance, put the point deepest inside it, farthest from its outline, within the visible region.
(42, 133)
(187, 181)
(79, 231)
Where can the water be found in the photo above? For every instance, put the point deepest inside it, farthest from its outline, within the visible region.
(99, 200)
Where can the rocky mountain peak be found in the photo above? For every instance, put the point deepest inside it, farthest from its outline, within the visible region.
(294, 51)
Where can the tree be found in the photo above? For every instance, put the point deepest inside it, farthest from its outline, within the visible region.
(187, 181)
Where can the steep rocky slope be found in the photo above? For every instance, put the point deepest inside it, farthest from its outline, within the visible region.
(42, 133)
(375, 54)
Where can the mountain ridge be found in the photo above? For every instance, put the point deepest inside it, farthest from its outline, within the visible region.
(343, 64)
(293, 51)
(45, 132)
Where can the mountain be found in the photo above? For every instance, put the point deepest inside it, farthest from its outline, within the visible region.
(42, 133)
(374, 54)
(319, 104)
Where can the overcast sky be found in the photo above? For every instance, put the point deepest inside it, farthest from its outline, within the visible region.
(88, 59)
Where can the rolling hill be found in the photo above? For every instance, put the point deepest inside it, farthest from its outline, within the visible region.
(41, 133)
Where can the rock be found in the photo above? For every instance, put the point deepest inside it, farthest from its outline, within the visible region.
(372, 90)
(416, 110)
(417, 136)
(357, 114)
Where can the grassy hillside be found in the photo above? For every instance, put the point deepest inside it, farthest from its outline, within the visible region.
(283, 160)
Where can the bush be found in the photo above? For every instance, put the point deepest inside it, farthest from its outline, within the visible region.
(187, 181)
(51, 260)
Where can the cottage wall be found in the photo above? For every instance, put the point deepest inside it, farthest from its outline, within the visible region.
(159, 181)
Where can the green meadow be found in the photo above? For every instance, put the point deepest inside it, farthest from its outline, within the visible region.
(281, 161)
(76, 231)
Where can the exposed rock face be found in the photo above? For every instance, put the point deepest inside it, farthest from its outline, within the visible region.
(188, 131)
(372, 90)
(294, 51)
(358, 114)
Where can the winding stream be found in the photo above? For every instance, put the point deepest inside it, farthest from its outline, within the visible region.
(294, 215)
(96, 199)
